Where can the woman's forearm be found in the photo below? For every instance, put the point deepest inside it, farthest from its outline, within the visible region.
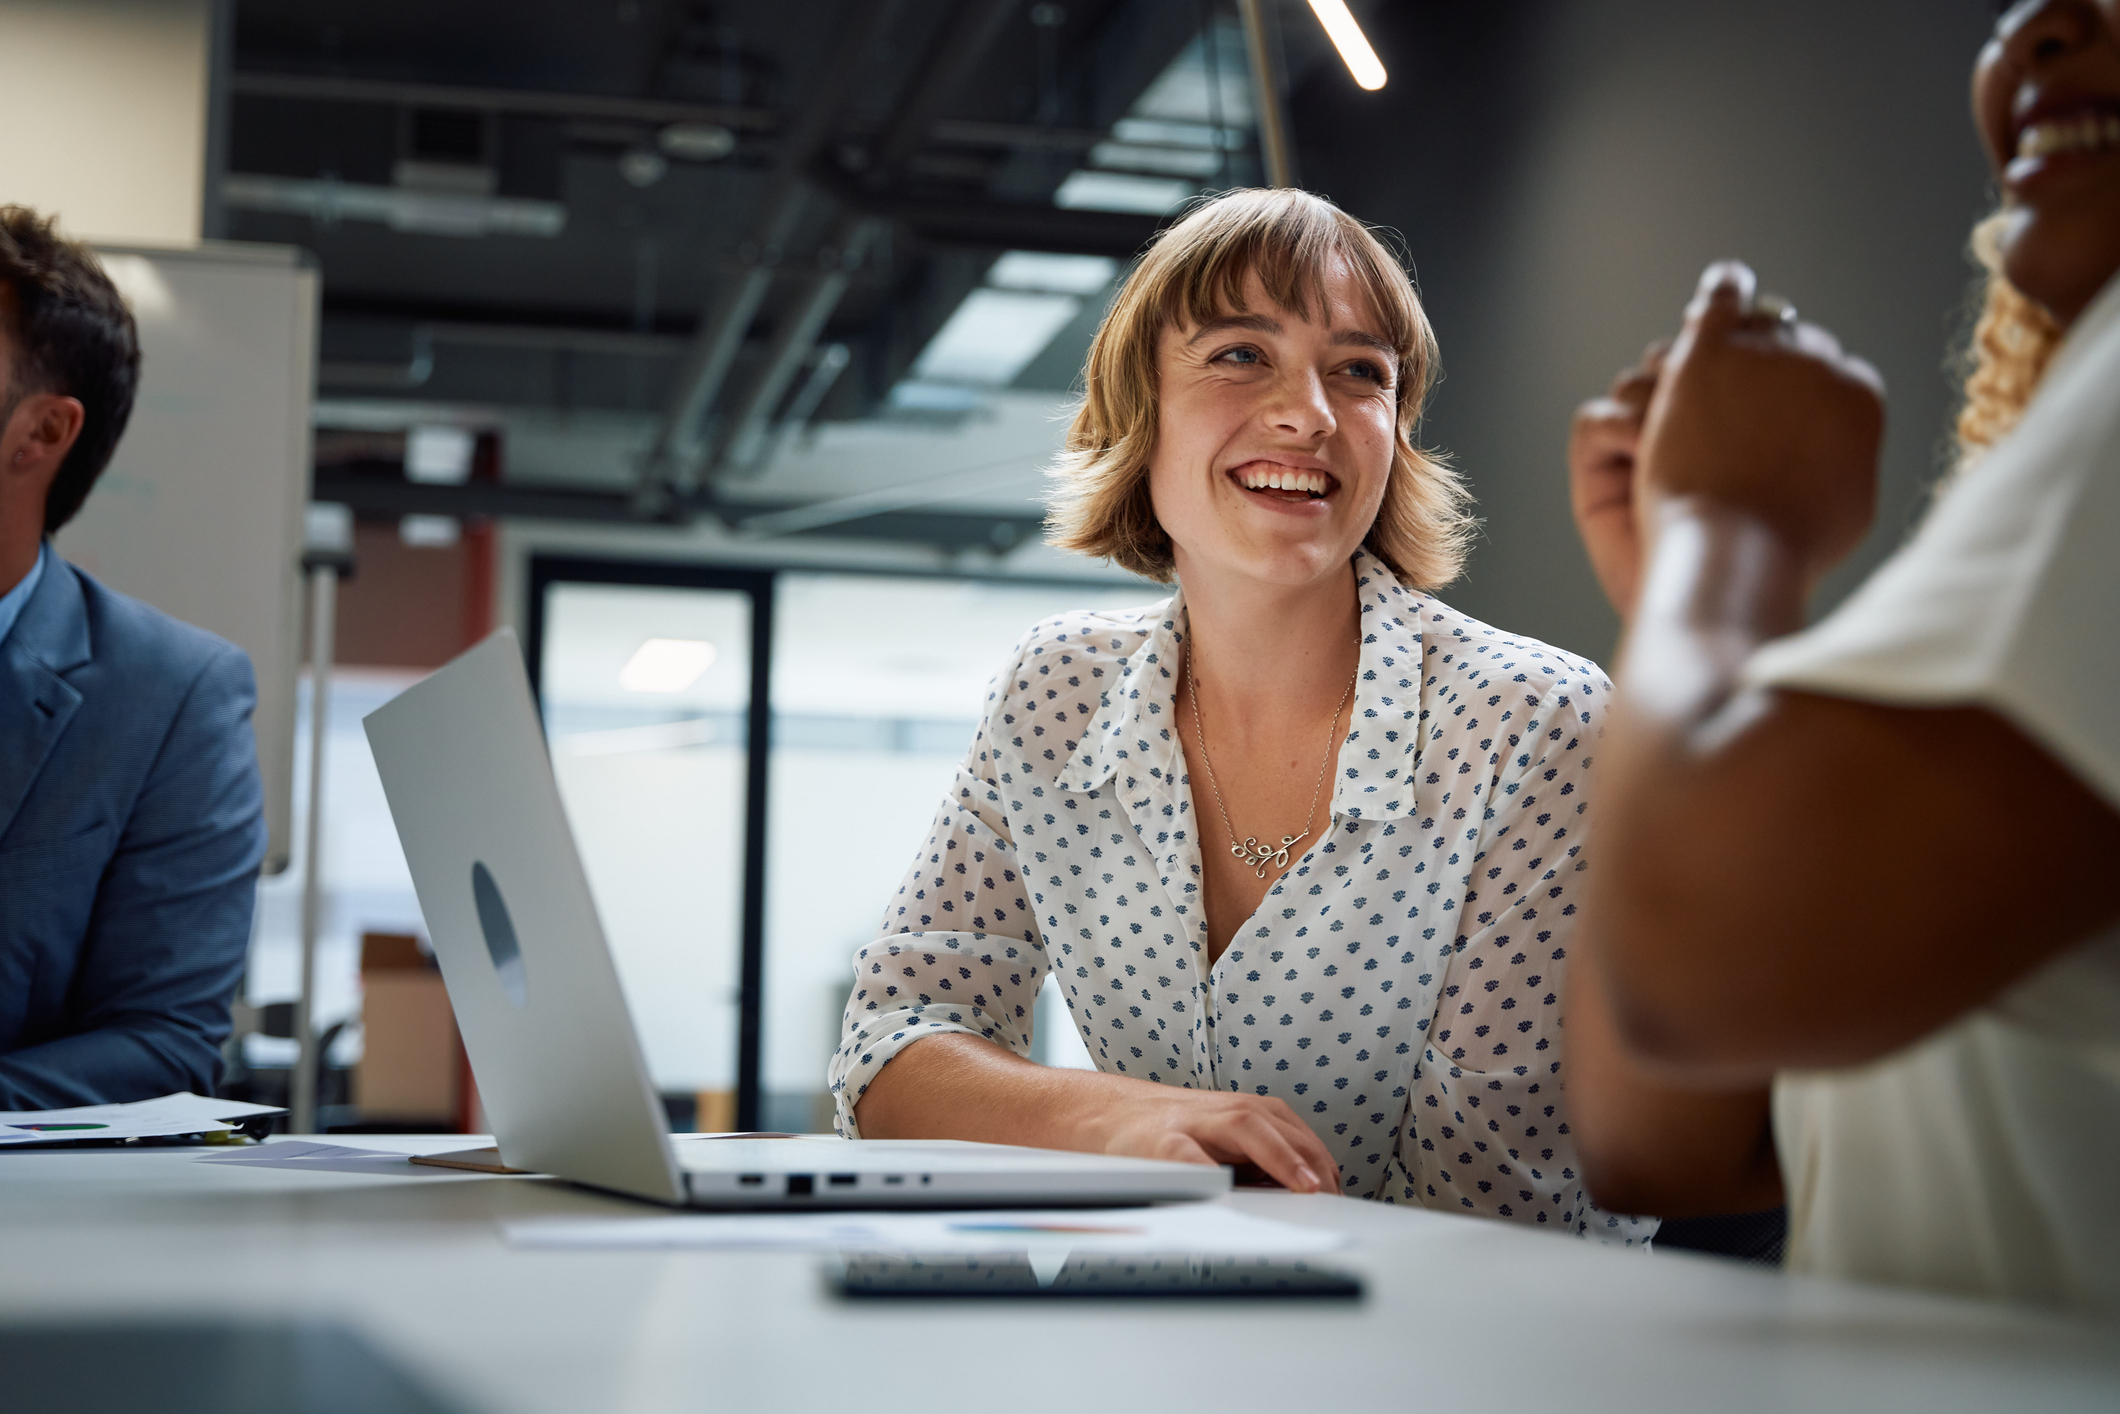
(1718, 584)
(1647, 1146)
(966, 1087)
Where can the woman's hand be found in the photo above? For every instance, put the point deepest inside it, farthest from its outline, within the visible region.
(954, 1086)
(1766, 417)
(1219, 1127)
(1602, 448)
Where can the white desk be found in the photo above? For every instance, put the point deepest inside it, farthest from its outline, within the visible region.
(1462, 1315)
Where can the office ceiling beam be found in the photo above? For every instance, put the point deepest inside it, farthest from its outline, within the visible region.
(376, 492)
(963, 41)
(529, 102)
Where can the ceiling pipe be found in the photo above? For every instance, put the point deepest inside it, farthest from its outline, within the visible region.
(792, 343)
(1274, 144)
(673, 461)
(963, 40)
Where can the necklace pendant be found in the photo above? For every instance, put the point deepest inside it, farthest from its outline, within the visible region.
(1258, 856)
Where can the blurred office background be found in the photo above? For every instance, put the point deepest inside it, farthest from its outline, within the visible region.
(718, 348)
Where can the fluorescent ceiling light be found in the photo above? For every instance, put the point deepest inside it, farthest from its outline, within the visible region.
(439, 455)
(1347, 37)
(1118, 191)
(1058, 274)
(1201, 162)
(993, 334)
(1175, 134)
(429, 532)
(666, 665)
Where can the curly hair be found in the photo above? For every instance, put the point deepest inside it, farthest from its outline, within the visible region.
(2004, 357)
(68, 332)
(1194, 271)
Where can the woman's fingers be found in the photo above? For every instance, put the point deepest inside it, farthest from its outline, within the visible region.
(1188, 1126)
(1315, 1155)
(1636, 385)
(1281, 1144)
(1181, 1148)
(1610, 422)
(1254, 1136)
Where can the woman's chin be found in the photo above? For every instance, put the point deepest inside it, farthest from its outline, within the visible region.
(1288, 565)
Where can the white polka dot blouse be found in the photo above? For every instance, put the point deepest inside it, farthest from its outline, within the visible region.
(1399, 987)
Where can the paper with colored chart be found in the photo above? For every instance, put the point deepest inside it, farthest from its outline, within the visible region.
(182, 1113)
(1206, 1228)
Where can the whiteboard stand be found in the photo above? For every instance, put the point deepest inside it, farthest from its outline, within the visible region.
(327, 554)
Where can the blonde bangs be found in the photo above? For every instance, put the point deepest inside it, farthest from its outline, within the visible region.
(1197, 270)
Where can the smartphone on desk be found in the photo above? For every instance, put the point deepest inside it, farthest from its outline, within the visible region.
(901, 1276)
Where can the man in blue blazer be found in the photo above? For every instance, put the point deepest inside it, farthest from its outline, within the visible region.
(131, 820)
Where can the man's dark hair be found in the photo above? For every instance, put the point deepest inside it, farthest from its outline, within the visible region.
(71, 334)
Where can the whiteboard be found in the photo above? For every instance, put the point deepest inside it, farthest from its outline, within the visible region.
(200, 510)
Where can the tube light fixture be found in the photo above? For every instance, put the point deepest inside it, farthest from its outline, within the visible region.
(1347, 37)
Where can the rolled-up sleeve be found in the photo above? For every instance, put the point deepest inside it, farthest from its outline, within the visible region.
(959, 950)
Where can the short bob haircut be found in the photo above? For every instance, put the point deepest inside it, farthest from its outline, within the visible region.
(1195, 271)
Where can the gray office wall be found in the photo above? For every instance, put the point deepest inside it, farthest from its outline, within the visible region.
(1562, 169)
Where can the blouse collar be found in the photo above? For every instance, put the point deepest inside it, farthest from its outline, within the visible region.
(1135, 735)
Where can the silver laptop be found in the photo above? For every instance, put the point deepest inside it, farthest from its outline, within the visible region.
(537, 998)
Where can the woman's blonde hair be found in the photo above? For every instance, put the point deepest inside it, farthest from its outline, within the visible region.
(1196, 271)
(2006, 355)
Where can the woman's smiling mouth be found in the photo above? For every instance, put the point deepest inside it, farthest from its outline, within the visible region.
(1279, 482)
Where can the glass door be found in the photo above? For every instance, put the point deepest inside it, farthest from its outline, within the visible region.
(646, 690)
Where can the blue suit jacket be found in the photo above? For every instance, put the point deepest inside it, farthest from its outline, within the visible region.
(131, 826)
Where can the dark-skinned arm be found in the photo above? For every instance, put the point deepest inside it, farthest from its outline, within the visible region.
(1647, 1145)
(1788, 880)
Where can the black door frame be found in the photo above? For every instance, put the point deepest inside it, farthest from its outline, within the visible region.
(549, 570)
(761, 584)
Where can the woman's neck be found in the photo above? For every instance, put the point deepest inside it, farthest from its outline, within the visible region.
(1268, 656)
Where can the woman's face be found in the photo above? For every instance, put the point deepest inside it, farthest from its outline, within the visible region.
(1274, 436)
(2046, 97)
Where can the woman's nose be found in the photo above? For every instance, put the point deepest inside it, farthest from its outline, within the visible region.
(1300, 407)
(2045, 30)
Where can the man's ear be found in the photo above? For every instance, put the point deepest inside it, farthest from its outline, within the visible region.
(41, 431)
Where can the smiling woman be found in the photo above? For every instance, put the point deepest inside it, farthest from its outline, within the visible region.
(1350, 987)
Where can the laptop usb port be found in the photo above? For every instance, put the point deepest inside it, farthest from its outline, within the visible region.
(751, 1180)
(801, 1185)
(845, 1180)
(894, 1178)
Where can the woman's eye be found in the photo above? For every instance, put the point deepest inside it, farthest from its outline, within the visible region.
(1240, 354)
(1363, 368)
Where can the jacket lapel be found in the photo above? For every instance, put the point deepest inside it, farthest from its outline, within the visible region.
(36, 703)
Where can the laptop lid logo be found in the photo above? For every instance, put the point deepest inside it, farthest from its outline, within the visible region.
(501, 946)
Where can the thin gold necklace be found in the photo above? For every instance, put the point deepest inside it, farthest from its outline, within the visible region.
(1251, 852)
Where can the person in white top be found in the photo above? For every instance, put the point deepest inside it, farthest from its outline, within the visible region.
(1853, 907)
(1301, 844)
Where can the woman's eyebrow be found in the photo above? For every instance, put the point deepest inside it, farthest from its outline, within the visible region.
(1364, 339)
(1257, 323)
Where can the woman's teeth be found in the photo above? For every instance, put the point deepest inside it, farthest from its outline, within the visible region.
(2083, 132)
(1281, 478)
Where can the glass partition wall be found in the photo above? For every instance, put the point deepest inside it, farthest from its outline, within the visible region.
(647, 676)
(736, 876)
